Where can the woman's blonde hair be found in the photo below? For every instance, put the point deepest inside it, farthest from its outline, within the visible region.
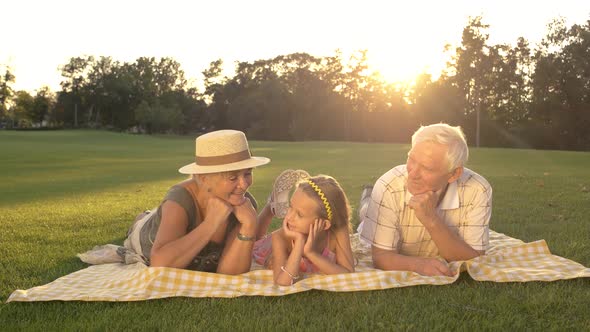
(336, 200)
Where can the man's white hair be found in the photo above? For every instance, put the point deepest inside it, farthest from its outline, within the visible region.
(452, 137)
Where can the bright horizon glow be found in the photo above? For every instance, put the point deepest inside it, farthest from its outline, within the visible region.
(402, 39)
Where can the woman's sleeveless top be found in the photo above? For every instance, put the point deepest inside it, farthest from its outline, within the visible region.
(184, 194)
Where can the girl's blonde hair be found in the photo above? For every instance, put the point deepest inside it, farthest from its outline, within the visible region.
(336, 199)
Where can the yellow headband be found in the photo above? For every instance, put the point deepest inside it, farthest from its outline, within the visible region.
(322, 197)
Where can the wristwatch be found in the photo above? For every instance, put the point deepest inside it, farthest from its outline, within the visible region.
(245, 238)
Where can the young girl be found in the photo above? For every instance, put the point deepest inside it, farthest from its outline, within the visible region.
(315, 236)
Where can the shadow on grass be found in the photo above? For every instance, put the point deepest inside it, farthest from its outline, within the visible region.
(28, 192)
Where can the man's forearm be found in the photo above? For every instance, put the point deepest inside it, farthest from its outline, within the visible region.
(428, 266)
(391, 261)
(450, 245)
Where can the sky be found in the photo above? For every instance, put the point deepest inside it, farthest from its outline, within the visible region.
(402, 38)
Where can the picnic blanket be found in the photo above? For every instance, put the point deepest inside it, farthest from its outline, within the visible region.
(507, 260)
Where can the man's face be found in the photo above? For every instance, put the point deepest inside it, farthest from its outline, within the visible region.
(428, 169)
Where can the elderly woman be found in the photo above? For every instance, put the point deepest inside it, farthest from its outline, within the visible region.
(207, 222)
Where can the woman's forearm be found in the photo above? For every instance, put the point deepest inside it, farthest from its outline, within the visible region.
(237, 256)
(180, 252)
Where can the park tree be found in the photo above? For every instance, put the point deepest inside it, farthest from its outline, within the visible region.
(257, 110)
(489, 79)
(75, 83)
(6, 92)
(194, 111)
(471, 65)
(169, 76)
(100, 93)
(157, 118)
(42, 106)
(315, 108)
(19, 112)
(307, 98)
(435, 101)
(84, 92)
(110, 92)
(153, 77)
(380, 107)
(213, 79)
(355, 80)
(216, 92)
(520, 64)
(257, 94)
(151, 81)
(117, 106)
(331, 71)
(561, 87)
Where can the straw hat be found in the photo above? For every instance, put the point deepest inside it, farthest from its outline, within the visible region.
(222, 151)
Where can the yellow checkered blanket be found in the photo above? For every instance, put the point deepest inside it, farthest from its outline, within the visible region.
(507, 260)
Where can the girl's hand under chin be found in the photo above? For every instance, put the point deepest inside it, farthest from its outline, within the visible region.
(293, 235)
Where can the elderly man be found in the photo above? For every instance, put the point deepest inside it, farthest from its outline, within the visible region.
(430, 208)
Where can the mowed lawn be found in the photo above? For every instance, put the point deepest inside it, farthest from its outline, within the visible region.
(63, 192)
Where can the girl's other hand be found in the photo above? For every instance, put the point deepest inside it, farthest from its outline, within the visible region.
(315, 230)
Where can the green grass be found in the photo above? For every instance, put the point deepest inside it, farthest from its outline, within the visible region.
(62, 192)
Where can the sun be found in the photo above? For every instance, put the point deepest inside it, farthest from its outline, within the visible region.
(405, 67)
(403, 40)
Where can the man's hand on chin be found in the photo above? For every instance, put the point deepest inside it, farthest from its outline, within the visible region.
(424, 206)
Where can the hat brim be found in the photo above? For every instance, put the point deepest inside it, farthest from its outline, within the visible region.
(248, 163)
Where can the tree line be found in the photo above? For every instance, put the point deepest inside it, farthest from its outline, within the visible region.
(502, 95)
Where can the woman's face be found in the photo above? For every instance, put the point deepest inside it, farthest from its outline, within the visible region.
(231, 186)
(302, 213)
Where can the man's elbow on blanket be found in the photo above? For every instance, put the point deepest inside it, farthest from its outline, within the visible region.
(464, 256)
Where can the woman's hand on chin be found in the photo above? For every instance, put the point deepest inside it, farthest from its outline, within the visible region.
(218, 211)
(245, 213)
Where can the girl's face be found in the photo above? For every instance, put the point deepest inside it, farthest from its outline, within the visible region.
(302, 213)
(231, 186)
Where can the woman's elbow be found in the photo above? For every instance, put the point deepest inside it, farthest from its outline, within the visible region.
(158, 260)
(155, 261)
(231, 271)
